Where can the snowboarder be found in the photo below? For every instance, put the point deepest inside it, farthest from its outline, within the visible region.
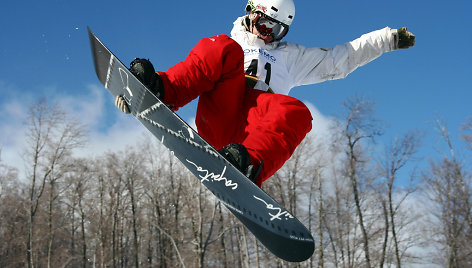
(243, 82)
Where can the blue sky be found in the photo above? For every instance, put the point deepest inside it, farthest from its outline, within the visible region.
(45, 52)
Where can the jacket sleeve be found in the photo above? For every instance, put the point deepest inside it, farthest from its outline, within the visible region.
(315, 65)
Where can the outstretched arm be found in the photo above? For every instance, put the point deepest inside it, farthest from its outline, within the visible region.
(314, 65)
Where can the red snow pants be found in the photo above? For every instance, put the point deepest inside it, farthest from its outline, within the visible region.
(269, 125)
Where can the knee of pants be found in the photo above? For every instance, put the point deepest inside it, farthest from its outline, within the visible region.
(218, 56)
(278, 125)
(290, 118)
(295, 113)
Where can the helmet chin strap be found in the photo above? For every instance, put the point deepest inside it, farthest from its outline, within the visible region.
(248, 22)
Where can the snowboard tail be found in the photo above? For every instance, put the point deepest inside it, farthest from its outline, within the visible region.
(271, 224)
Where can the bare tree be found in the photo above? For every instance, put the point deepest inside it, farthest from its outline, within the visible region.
(51, 137)
(360, 127)
(116, 195)
(132, 171)
(317, 177)
(76, 197)
(288, 184)
(202, 217)
(397, 155)
(102, 232)
(141, 207)
(13, 218)
(8, 177)
(467, 128)
(449, 187)
(169, 194)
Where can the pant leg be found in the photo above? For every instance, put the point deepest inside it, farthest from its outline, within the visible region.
(276, 125)
(213, 71)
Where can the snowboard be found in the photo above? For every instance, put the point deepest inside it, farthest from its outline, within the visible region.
(278, 230)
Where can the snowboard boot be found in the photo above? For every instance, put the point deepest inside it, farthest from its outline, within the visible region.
(145, 72)
(238, 155)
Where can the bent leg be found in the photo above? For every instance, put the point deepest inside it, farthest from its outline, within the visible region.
(277, 124)
(213, 70)
(211, 61)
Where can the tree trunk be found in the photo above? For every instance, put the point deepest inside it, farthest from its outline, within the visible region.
(134, 221)
(320, 221)
(386, 229)
(82, 227)
(50, 227)
(360, 215)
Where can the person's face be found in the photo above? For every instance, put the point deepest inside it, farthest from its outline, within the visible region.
(267, 38)
(267, 28)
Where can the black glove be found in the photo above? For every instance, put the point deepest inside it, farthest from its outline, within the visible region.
(405, 38)
(144, 71)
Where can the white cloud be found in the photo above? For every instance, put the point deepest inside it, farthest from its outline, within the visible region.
(12, 131)
(191, 122)
(88, 107)
(125, 132)
(107, 130)
(325, 130)
(322, 125)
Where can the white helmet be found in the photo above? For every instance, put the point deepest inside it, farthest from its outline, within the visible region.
(282, 11)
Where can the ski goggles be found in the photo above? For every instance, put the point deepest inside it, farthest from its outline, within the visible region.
(269, 26)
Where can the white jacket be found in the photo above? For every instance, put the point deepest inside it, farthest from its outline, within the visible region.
(284, 65)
